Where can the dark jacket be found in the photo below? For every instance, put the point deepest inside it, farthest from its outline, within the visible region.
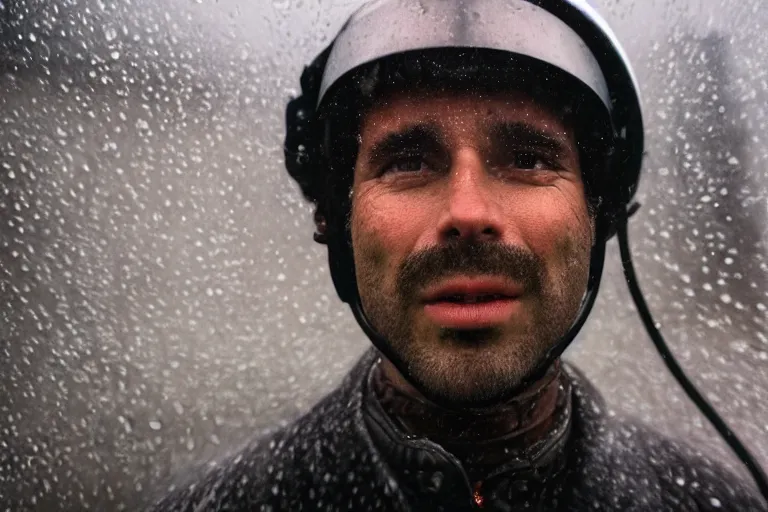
(333, 459)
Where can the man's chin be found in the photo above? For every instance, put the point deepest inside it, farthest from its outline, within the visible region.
(464, 378)
(473, 339)
(474, 398)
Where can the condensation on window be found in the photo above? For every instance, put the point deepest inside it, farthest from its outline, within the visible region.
(163, 300)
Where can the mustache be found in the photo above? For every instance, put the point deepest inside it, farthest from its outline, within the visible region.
(468, 257)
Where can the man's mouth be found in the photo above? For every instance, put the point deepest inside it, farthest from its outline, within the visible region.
(472, 289)
(471, 303)
(469, 299)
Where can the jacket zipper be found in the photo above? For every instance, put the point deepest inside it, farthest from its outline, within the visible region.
(478, 500)
(477, 495)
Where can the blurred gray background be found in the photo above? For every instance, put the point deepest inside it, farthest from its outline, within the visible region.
(162, 300)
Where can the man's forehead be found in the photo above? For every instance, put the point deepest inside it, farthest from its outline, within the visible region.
(464, 111)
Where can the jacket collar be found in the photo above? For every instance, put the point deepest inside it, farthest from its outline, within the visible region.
(428, 474)
(487, 439)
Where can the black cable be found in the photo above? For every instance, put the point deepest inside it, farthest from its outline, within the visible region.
(666, 355)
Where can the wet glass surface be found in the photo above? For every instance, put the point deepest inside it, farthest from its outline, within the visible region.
(163, 300)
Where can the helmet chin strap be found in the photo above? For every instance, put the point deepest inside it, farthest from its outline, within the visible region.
(593, 284)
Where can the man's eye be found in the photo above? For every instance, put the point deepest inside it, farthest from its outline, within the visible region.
(528, 160)
(407, 165)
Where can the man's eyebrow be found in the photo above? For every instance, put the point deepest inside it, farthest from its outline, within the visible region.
(516, 134)
(422, 137)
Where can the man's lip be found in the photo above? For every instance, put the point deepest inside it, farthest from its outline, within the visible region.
(473, 286)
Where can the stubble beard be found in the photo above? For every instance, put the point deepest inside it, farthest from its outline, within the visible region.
(470, 368)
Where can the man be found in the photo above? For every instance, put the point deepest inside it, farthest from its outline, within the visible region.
(468, 161)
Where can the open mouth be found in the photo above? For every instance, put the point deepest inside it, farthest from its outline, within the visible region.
(472, 302)
(471, 311)
(469, 299)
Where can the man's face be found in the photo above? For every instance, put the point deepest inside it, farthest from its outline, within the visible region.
(471, 237)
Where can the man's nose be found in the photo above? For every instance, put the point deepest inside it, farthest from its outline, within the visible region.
(472, 209)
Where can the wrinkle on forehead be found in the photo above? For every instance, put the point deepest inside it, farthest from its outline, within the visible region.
(453, 109)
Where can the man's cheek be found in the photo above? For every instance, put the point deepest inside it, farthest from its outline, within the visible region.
(565, 244)
(572, 256)
(372, 255)
(380, 232)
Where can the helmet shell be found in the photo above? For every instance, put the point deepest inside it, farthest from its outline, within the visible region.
(389, 27)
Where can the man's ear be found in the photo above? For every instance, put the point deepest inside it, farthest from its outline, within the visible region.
(321, 227)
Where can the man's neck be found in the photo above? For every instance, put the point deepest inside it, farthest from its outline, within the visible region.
(485, 439)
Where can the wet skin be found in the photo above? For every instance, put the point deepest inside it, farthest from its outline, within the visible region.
(471, 237)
